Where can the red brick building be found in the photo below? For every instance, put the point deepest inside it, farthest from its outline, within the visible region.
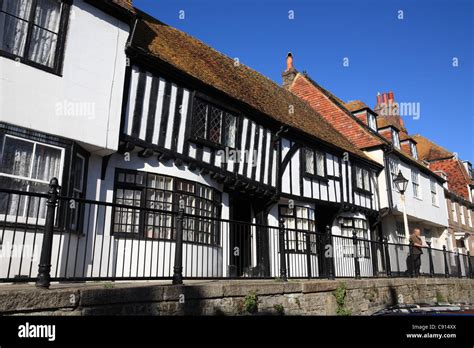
(458, 190)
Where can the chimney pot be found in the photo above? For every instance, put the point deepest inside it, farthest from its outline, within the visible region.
(379, 98)
(384, 98)
(390, 96)
(289, 61)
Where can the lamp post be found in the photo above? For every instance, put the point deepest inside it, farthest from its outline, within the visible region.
(401, 183)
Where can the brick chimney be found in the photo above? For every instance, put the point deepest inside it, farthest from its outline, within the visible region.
(387, 107)
(290, 73)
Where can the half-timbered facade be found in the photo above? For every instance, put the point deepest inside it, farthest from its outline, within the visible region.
(189, 126)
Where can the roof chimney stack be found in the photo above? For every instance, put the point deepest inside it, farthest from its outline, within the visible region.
(290, 73)
(289, 62)
(379, 98)
(390, 96)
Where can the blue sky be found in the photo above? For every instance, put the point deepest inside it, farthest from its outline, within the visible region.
(412, 56)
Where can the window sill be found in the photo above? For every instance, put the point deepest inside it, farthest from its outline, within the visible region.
(27, 62)
(210, 144)
(362, 191)
(316, 177)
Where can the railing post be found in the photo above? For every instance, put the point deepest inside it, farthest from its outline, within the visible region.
(281, 240)
(387, 257)
(458, 258)
(178, 255)
(469, 264)
(330, 263)
(446, 267)
(356, 254)
(430, 255)
(412, 259)
(44, 268)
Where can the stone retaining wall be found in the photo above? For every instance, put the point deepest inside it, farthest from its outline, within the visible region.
(317, 297)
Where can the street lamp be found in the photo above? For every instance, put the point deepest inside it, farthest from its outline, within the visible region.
(401, 184)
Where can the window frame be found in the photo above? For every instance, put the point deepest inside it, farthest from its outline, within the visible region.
(364, 189)
(363, 243)
(314, 175)
(394, 165)
(413, 149)
(462, 215)
(454, 214)
(24, 218)
(210, 102)
(372, 121)
(416, 184)
(434, 193)
(143, 210)
(297, 232)
(395, 138)
(57, 68)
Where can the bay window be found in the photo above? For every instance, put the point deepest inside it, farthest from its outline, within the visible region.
(144, 192)
(33, 31)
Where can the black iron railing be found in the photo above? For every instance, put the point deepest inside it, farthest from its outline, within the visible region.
(48, 237)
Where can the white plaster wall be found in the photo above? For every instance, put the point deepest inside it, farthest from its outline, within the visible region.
(422, 208)
(93, 79)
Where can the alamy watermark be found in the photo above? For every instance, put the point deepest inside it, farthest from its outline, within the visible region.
(404, 109)
(238, 156)
(75, 109)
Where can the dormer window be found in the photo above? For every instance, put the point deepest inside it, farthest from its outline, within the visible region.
(33, 32)
(414, 152)
(371, 121)
(395, 139)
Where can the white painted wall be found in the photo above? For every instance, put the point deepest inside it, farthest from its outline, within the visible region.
(93, 79)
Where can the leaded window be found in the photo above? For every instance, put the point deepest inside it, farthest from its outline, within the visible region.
(415, 179)
(213, 124)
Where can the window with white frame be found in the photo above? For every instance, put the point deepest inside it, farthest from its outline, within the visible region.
(414, 152)
(415, 179)
(454, 213)
(78, 189)
(300, 223)
(461, 214)
(434, 192)
(349, 225)
(371, 121)
(27, 165)
(394, 169)
(314, 162)
(33, 31)
(469, 218)
(395, 138)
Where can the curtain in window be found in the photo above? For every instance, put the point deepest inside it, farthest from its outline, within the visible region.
(13, 21)
(45, 32)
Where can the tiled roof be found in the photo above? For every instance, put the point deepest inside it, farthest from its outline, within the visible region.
(356, 105)
(333, 110)
(429, 151)
(126, 4)
(199, 61)
(442, 159)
